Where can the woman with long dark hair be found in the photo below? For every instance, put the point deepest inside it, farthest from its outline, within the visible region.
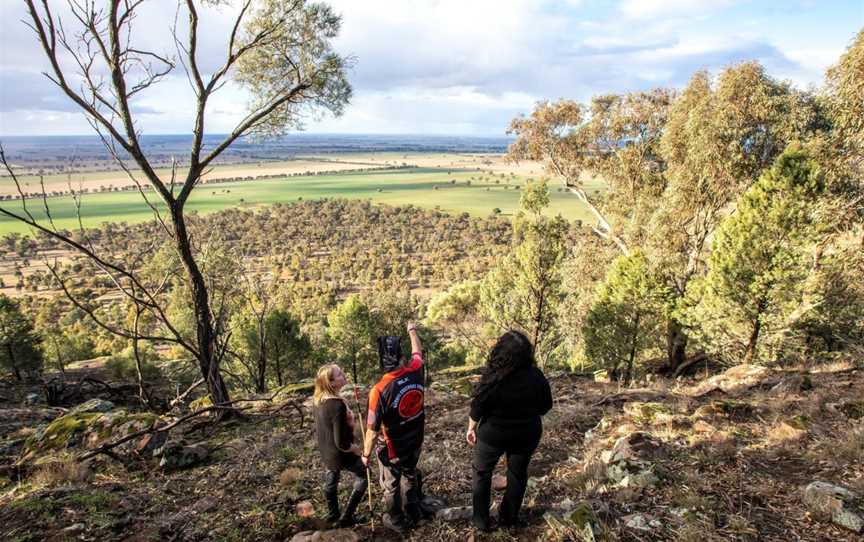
(506, 408)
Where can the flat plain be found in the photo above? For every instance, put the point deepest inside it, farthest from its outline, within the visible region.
(482, 184)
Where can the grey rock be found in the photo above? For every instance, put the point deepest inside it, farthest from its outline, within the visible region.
(828, 499)
(151, 443)
(32, 399)
(848, 519)
(177, 456)
(814, 490)
(93, 406)
(454, 513)
(74, 529)
(640, 522)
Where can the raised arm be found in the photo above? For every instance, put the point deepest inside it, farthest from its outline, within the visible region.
(416, 347)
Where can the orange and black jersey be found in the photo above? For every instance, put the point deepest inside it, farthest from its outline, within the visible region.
(396, 408)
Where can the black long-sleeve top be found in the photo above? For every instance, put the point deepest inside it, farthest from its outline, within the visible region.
(521, 395)
(334, 434)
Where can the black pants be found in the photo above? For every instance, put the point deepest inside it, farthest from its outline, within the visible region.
(331, 486)
(517, 441)
(400, 483)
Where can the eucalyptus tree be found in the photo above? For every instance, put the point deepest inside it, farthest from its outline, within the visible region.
(759, 261)
(721, 135)
(280, 51)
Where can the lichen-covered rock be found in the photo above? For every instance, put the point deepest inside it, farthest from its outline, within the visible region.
(794, 383)
(635, 447)
(640, 522)
(734, 380)
(827, 500)
(630, 462)
(87, 430)
(93, 406)
(174, 456)
(726, 408)
(647, 413)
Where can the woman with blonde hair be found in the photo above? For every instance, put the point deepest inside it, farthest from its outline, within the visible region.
(334, 424)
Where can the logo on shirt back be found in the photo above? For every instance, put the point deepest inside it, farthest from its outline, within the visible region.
(409, 401)
(411, 404)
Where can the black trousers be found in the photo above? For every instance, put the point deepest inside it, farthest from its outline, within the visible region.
(400, 483)
(331, 485)
(517, 442)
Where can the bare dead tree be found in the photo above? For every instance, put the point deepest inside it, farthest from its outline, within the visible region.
(278, 50)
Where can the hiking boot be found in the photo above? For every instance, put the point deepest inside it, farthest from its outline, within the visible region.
(347, 518)
(332, 506)
(414, 515)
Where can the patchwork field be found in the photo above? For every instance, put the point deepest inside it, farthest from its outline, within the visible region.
(428, 185)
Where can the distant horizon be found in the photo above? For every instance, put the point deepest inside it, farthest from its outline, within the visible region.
(339, 134)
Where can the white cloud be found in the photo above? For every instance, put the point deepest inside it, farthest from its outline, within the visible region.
(649, 9)
(443, 66)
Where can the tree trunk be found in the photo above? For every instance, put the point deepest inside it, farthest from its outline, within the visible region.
(750, 354)
(276, 357)
(676, 346)
(261, 384)
(204, 332)
(628, 376)
(15, 368)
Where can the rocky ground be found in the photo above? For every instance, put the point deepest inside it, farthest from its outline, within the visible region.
(751, 454)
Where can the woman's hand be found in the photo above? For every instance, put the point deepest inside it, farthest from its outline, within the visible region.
(471, 434)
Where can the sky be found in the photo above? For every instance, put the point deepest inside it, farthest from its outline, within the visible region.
(462, 67)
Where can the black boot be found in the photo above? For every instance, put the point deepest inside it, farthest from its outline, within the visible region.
(332, 499)
(348, 517)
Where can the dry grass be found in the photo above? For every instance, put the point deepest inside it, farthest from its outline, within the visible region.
(589, 479)
(698, 530)
(65, 470)
(842, 451)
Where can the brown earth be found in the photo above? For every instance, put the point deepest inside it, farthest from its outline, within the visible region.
(729, 468)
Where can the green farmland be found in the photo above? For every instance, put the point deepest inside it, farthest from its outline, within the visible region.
(394, 187)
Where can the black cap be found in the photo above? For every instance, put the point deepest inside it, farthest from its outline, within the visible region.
(389, 353)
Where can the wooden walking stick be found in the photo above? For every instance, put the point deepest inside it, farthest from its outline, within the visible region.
(363, 436)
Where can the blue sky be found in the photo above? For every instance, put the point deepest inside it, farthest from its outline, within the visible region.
(469, 66)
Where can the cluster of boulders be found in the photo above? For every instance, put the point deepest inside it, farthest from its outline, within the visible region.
(98, 422)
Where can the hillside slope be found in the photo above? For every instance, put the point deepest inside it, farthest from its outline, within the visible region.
(724, 459)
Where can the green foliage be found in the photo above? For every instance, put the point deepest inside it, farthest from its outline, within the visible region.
(350, 334)
(535, 197)
(622, 328)
(122, 366)
(759, 262)
(524, 290)
(20, 346)
(583, 271)
(455, 315)
(830, 318)
(286, 352)
(296, 52)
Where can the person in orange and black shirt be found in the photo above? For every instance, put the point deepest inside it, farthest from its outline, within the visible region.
(397, 414)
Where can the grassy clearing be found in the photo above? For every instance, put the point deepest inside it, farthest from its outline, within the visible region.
(395, 187)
